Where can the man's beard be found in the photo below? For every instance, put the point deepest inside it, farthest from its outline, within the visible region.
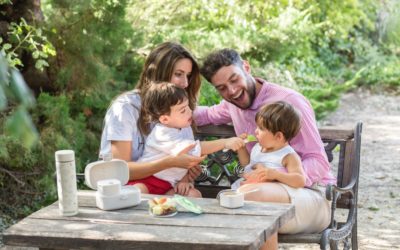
(251, 92)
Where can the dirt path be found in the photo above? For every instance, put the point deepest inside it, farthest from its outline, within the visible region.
(379, 189)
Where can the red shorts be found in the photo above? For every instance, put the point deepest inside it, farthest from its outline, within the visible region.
(153, 184)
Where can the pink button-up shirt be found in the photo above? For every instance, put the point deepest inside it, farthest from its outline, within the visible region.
(307, 142)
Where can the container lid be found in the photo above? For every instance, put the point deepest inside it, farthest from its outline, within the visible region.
(65, 155)
(102, 170)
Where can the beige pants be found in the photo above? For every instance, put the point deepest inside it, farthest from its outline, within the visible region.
(312, 210)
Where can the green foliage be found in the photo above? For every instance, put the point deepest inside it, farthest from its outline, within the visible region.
(92, 37)
(308, 45)
(62, 131)
(16, 98)
(209, 95)
(389, 24)
(20, 175)
(19, 125)
(23, 37)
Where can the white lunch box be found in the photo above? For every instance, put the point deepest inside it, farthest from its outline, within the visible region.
(107, 177)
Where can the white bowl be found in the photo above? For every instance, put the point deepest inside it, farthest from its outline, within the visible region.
(230, 198)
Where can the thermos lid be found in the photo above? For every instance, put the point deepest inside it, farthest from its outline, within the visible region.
(102, 170)
(65, 155)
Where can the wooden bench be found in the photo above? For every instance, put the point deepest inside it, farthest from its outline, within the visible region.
(343, 150)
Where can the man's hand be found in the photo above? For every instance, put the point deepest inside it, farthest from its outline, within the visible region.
(182, 188)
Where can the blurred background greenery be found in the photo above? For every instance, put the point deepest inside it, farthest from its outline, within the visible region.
(75, 56)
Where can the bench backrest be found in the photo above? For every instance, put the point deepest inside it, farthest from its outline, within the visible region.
(342, 144)
(346, 145)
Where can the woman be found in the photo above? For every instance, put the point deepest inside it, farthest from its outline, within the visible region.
(121, 137)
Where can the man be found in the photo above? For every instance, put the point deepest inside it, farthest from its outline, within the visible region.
(243, 95)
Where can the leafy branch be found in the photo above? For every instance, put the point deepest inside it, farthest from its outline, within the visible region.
(25, 37)
(13, 87)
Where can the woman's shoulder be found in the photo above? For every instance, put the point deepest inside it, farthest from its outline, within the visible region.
(128, 100)
(126, 104)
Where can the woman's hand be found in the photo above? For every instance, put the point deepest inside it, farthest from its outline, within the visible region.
(184, 160)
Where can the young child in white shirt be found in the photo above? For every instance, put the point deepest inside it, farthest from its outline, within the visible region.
(166, 105)
(272, 158)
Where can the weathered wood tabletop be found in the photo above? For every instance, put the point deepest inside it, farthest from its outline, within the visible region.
(134, 228)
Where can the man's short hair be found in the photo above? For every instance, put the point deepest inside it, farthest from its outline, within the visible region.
(219, 59)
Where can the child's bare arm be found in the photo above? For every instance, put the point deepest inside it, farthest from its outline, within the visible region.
(295, 177)
(244, 156)
(233, 143)
(186, 178)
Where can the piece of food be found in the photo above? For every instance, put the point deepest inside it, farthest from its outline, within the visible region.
(251, 138)
(187, 204)
(162, 206)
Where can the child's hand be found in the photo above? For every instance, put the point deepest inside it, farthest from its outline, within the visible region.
(249, 178)
(260, 173)
(263, 173)
(234, 143)
(194, 172)
(182, 188)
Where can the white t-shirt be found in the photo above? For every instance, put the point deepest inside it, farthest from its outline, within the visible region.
(164, 141)
(120, 124)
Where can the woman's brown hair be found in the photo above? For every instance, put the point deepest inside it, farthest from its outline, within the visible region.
(279, 117)
(159, 67)
(157, 100)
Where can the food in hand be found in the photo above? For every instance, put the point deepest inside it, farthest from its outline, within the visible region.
(250, 138)
(162, 206)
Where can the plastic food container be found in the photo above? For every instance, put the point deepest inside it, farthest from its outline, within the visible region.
(108, 178)
(230, 198)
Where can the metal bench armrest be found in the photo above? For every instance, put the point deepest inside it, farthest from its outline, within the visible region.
(336, 233)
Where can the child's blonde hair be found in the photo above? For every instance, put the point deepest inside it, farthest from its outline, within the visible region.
(157, 100)
(279, 117)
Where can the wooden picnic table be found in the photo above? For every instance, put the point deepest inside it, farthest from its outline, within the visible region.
(134, 228)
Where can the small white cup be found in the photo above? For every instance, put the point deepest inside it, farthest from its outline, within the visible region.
(230, 198)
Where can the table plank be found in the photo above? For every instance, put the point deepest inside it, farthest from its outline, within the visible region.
(135, 216)
(78, 234)
(134, 228)
(86, 198)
